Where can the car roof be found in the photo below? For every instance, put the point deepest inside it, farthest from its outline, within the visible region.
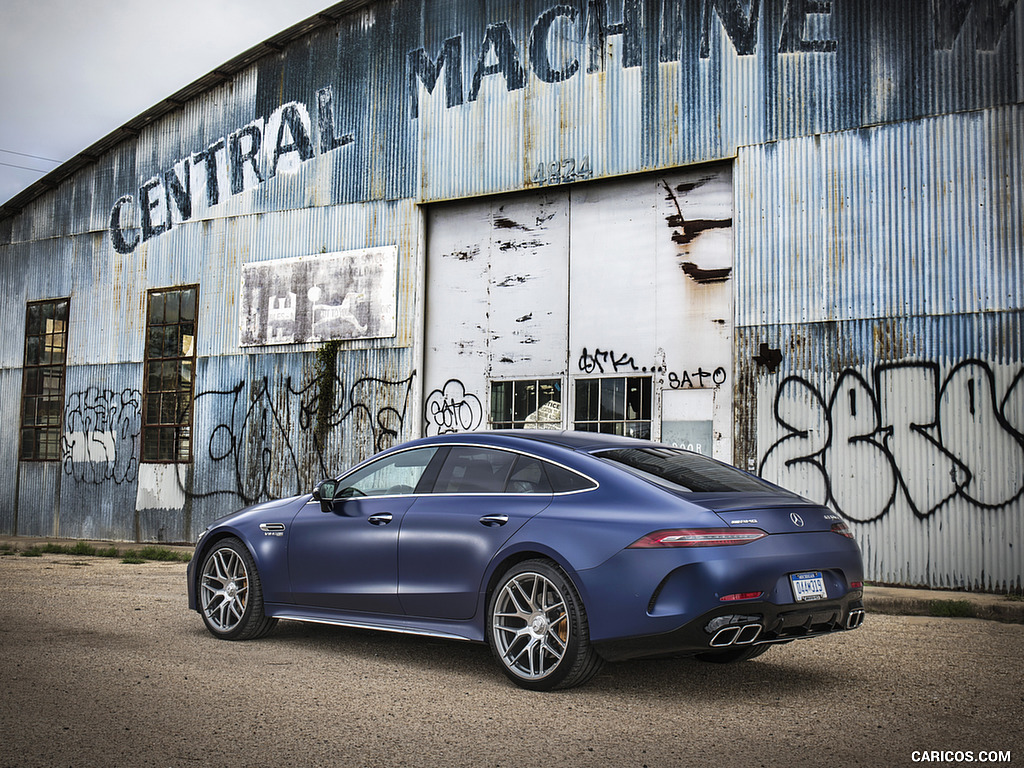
(577, 441)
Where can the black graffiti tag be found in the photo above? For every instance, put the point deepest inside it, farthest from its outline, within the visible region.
(591, 362)
(452, 409)
(908, 433)
(265, 458)
(100, 431)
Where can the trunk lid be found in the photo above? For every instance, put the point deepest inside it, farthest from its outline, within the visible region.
(769, 512)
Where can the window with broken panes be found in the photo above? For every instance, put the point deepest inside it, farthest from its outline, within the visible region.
(618, 405)
(526, 404)
(169, 374)
(43, 374)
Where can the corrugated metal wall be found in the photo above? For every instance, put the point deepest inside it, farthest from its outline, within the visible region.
(877, 148)
(879, 338)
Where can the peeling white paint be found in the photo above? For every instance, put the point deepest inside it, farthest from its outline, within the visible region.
(161, 486)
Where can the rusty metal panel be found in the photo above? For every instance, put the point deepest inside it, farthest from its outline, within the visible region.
(625, 87)
(99, 462)
(38, 481)
(268, 426)
(212, 252)
(441, 99)
(916, 218)
(879, 155)
(15, 279)
(10, 424)
(911, 428)
(879, 338)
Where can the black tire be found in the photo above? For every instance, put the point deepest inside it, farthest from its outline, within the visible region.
(231, 594)
(537, 628)
(734, 655)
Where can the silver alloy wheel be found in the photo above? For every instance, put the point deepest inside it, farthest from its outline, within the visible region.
(530, 626)
(224, 589)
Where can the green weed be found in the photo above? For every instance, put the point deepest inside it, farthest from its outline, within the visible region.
(83, 549)
(951, 609)
(164, 555)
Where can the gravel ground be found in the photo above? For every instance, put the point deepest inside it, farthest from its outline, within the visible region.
(101, 664)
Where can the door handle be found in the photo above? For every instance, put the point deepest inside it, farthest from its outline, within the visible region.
(381, 519)
(493, 520)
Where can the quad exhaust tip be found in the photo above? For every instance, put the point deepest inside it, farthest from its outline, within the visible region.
(736, 635)
(745, 634)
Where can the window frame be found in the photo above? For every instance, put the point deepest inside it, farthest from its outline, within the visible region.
(160, 427)
(512, 422)
(590, 484)
(351, 478)
(40, 369)
(647, 405)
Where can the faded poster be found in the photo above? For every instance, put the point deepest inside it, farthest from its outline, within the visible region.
(346, 295)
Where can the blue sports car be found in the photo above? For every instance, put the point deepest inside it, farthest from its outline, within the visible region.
(560, 550)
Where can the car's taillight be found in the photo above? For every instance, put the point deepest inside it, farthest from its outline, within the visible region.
(741, 596)
(698, 537)
(856, 584)
(842, 529)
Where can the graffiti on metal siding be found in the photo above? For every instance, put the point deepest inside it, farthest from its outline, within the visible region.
(452, 409)
(262, 450)
(100, 431)
(609, 361)
(241, 161)
(596, 361)
(940, 439)
(563, 43)
(698, 379)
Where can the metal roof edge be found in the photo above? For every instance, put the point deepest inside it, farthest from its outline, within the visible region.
(176, 100)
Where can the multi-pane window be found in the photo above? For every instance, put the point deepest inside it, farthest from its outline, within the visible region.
(42, 403)
(169, 374)
(528, 404)
(618, 406)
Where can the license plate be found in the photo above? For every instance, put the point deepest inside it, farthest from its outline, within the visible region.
(808, 586)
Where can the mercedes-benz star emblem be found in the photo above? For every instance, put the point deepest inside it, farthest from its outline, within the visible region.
(797, 520)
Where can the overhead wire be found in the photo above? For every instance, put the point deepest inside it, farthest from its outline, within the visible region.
(25, 154)
(24, 167)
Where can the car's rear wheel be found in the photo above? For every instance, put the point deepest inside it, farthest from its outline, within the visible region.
(230, 593)
(537, 628)
(732, 655)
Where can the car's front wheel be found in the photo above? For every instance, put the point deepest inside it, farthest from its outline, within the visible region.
(230, 593)
(537, 628)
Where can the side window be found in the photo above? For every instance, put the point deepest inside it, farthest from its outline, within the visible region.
(474, 470)
(396, 474)
(528, 476)
(566, 481)
(42, 389)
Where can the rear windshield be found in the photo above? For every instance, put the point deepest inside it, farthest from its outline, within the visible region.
(685, 471)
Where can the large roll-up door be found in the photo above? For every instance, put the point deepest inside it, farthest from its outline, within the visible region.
(603, 306)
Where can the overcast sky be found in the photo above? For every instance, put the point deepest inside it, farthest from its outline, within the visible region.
(71, 71)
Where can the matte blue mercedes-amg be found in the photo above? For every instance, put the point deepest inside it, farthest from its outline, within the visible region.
(560, 550)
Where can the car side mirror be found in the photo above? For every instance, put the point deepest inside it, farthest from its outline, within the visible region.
(325, 493)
